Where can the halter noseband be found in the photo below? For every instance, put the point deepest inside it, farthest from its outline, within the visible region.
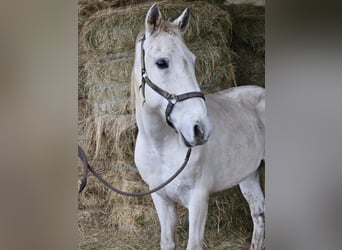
(171, 98)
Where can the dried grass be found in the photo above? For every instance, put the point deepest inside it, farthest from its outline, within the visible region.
(115, 30)
(248, 43)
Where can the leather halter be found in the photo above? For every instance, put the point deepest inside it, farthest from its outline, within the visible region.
(171, 98)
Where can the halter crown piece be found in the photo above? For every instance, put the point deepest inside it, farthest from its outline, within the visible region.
(171, 98)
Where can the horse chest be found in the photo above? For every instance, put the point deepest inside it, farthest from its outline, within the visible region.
(180, 190)
(155, 169)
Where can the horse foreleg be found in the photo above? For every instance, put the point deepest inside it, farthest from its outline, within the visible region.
(198, 208)
(167, 217)
(251, 190)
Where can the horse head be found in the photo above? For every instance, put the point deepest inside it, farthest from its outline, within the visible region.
(168, 67)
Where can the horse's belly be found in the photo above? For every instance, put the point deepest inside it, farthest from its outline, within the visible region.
(228, 170)
(228, 161)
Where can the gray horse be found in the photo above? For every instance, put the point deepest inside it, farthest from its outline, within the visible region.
(225, 130)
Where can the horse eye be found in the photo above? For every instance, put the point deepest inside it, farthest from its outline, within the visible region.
(162, 63)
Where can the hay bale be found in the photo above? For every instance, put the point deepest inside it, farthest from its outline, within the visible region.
(88, 7)
(112, 119)
(250, 68)
(248, 26)
(248, 43)
(113, 31)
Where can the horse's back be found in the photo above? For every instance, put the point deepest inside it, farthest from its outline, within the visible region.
(242, 97)
(248, 95)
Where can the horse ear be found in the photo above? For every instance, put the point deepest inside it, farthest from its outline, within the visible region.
(183, 20)
(153, 19)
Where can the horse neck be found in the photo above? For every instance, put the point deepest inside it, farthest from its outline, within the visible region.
(151, 124)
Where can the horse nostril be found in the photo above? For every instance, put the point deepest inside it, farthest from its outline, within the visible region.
(198, 132)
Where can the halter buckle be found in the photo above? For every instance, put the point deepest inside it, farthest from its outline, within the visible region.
(172, 98)
(143, 74)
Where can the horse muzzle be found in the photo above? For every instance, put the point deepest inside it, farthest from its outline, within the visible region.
(199, 135)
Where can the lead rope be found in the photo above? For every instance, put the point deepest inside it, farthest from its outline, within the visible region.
(87, 167)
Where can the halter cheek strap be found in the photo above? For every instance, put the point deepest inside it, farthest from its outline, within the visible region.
(171, 98)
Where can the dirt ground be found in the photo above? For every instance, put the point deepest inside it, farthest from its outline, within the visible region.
(223, 231)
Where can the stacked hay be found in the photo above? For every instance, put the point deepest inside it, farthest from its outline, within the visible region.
(107, 130)
(88, 7)
(248, 43)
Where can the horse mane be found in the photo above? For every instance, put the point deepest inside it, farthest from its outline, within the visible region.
(132, 90)
(169, 27)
